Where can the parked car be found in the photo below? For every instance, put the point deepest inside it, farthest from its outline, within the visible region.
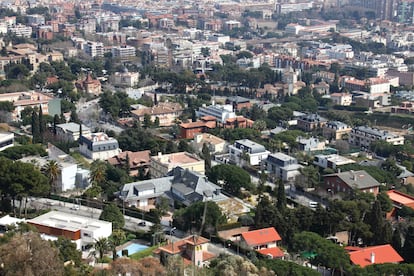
(142, 223)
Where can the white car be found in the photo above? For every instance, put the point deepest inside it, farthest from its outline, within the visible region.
(75, 207)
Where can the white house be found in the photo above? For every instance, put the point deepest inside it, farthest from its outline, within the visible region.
(220, 112)
(246, 151)
(331, 161)
(81, 230)
(71, 131)
(98, 146)
(282, 166)
(6, 140)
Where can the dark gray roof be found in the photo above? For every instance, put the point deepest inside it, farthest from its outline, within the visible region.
(357, 179)
(253, 146)
(238, 99)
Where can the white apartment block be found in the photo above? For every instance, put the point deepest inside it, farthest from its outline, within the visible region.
(123, 52)
(247, 152)
(21, 30)
(128, 79)
(221, 112)
(363, 136)
(94, 49)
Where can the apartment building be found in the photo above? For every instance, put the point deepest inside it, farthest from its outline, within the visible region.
(363, 136)
(247, 152)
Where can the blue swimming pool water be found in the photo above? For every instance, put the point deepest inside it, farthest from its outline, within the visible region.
(132, 248)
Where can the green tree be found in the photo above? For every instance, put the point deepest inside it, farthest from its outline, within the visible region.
(116, 239)
(376, 222)
(35, 127)
(396, 240)
(100, 246)
(233, 178)
(385, 201)
(281, 197)
(52, 171)
(207, 157)
(408, 248)
(98, 172)
(311, 175)
(147, 123)
(68, 251)
(112, 214)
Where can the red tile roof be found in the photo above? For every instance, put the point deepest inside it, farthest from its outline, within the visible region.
(275, 252)
(381, 254)
(261, 236)
(401, 198)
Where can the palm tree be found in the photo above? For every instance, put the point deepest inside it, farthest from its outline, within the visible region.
(101, 245)
(52, 170)
(117, 237)
(98, 172)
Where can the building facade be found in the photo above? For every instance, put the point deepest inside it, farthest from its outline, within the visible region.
(98, 146)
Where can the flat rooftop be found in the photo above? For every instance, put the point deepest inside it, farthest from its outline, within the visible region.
(68, 221)
(176, 158)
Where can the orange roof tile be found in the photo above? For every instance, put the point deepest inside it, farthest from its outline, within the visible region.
(381, 254)
(275, 252)
(261, 236)
(401, 198)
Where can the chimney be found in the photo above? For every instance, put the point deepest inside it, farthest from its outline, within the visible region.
(372, 258)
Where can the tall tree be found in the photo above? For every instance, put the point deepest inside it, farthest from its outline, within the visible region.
(281, 197)
(376, 222)
(42, 125)
(207, 157)
(52, 171)
(112, 214)
(101, 245)
(56, 121)
(35, 127)
(396, 239)
(408, 248)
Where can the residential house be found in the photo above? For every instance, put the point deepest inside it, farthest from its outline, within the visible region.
(378, 254)
(311, 122)
(162, 164)
(220, 112)
(310, 144)
(248, 152)
(98, 146)
(282, 166)
(125, 79)
(71, 131)
(405, 177)
(399, 200)
(70, 175)
(83, 231)
(239, 103)
(32, 99)
(6, 140)
(264, 241)
(214, 143)
(183, 185)
(189, 130)
(343, 99)
(349, 181)
(193, 250)
(167, 113)
(335, 130)
(138, 162)
(363, 136)
(331, 161)
(89, 85)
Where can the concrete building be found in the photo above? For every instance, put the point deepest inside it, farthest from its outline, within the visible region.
(220, 112)
(247, 152)
(282, 166)
(21, 30)
(363, 136)
(335, 130)
(214, 143)
(94, 49)
(344, 99)
(98, 146)
(310, 144)
(331, 161)
(6, 140)
(125, 79)
(162, 164)
(310, 122)
(71, 131)
(123, 52)
(81, 230)
(166, 113)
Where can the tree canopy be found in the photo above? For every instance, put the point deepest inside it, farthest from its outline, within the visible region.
(112, 214)
(234, 178)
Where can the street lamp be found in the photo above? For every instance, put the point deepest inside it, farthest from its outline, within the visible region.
(171, 230)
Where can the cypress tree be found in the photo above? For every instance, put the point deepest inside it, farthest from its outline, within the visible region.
(35, 127)
(376, 222)
(207, 157)
(41, 125)
(396, 240)
(408, 248)
(281, 197)
(55, 123)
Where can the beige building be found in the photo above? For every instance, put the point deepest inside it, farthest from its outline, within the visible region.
(214, 143)
(164, 163)
(344, 99)
(336, 130)
(166, 113)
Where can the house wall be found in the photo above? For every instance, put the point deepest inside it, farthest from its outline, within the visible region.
(68, 174)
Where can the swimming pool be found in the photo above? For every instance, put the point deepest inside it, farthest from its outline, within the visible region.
(132, 248)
